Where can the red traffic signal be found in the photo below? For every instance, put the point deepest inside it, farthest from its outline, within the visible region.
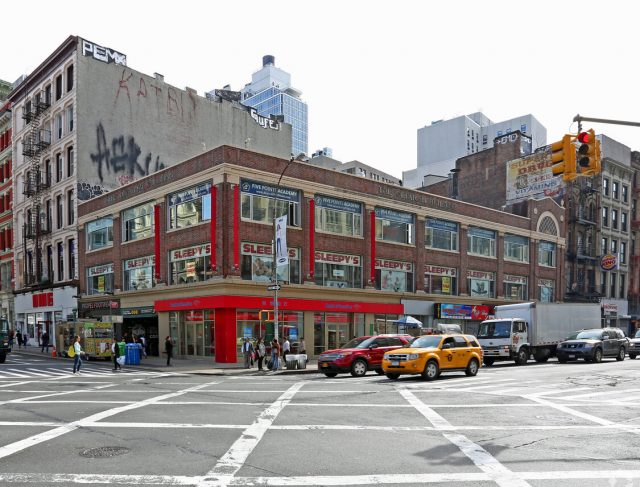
(583, 149)
(583, 137)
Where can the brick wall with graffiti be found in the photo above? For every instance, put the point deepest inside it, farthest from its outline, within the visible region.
(131, 125)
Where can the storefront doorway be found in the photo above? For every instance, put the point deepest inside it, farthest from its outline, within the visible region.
(194, 332)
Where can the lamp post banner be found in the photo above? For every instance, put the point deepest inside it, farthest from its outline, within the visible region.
(282, 255)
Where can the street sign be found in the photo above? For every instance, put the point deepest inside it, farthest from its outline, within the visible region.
(274, 287)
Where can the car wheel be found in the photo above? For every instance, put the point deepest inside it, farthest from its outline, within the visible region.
(597, 355)
(379, 371)
(393, 376)
(488, 361)
(359, 368)
(541, 356)
(330, 374)
(621, 354)
(523, 356)
(472, 368)
(562, 360)
(431, 370)
(632, 356)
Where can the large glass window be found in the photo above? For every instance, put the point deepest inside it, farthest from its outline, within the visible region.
(441, 234)
(394, 226)
(100, 233)
(138, 273)
(440, 280)
(393, 275)
(516, 248)
(330, 331)
(481, 284)
(338, 216)
(481, 242)
(547, 254)
(260, 204)
(137, 222)
(190, 264)
(338, 270)
(515, 287)
(100, 279)
(546, 290)
(190, 206)
(257, 264)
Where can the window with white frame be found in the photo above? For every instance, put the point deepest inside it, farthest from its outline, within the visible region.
(481, 284)
(481, 242)
(263, 202)
(516, 248)
(190, 264)
(100, 279)
(70, 118)
(138, 273)
(546, 289)
(99, 233)
(395, 226)
(547, 254)
(190, 206)
(338, 216)
(59, 126)
(515, 287)
(441, 234)
(137, 222)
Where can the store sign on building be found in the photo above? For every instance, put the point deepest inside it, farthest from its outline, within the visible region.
(104, 54)
(344, 259)
(337, 204)
(609, 262)
(42, 300)
(108, 304)
(610, 308)
(462, 311)
(532, 177)
(260, 189)
(264, 122)
(190, 252)
(140, 262)
(394, 265)
(143, 311)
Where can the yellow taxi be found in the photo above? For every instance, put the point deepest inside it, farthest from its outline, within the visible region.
(432, 354)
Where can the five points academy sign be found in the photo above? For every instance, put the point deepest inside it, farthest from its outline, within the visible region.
(104, 54)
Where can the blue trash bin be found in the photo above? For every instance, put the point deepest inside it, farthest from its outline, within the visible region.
(132, 354)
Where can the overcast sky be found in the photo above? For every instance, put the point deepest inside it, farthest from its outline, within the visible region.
(372, 72)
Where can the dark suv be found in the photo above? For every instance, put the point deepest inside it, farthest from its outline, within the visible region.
(592, 345)
(360, 355)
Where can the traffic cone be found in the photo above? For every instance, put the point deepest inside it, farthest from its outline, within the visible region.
(53, 352)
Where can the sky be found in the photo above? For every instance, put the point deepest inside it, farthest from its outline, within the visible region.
(372, 72)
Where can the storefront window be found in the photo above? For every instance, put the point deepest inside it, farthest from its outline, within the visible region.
(547, 254)
(338, 270)
(248, 325)
(338, 216)
(481, 242)
(100, 279)
(515, 287)
(441, 234)
(545, 290)
(516, 248)
(440, 280)
(193, 332)
(385, 324)
(392, 275)
(481, 284)
(260, 203)
(330, 331)
(394, 226)
(137, 222)
(190, 206)
(190, 264)
(100, 233)
(138, 273)
(257, 264)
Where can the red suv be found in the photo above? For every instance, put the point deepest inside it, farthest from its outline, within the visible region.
(360, 355)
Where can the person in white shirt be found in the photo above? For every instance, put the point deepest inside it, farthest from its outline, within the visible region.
(77, 358)
(286, 348)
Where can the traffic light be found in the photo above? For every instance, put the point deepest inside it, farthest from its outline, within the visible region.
(589, 153)
(563, 158)
(266, 315)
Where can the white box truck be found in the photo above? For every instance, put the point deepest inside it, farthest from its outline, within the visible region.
(518, 331)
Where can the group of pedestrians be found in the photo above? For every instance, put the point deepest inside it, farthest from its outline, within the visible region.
(20, 338)
(258, 352)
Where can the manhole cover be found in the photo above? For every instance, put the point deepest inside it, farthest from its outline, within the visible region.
(104, 452)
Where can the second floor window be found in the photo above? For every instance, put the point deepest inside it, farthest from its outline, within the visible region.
(481, 242)
(547, 254)
(394, 226)
(99, 233)
(441, 234)
(190, 206)
(516, 248)
(338, 216)
(260, 204)
(137, 222)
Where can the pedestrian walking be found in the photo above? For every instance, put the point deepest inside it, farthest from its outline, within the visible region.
(45, 342)
(247, 350)
(275, 355)
(12, 335)
(143, 343)
(261, 351)
(286, 349)
(77, 358)
(168, 349)
(115, 353)
(25, 339)
(19, 339)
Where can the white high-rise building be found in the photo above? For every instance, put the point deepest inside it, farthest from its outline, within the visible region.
(444, 141)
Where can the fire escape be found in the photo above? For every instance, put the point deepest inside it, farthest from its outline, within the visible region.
(582, 245)
(37, 226)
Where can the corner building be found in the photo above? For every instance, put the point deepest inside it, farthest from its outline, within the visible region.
(361, 254)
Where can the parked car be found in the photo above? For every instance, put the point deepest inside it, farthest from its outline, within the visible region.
(634, 345)
(360, 355)
(430, 355)
(593, 344)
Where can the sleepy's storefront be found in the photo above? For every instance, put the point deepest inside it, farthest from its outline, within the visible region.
(215, 326)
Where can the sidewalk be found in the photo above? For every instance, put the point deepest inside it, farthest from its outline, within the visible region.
(196, 366)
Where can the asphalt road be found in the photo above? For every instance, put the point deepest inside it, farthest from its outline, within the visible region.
(560, 425)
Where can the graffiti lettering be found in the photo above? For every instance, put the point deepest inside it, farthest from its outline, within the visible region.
(122, 85)
(121, 158)
(142, 90)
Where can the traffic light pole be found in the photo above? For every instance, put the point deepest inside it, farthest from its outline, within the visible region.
(580, 119)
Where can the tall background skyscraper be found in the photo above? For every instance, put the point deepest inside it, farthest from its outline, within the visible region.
(270, 93)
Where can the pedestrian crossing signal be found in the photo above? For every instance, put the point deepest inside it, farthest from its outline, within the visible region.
(266, 315)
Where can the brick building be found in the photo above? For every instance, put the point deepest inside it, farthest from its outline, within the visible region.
(187, 252)
(6, 205)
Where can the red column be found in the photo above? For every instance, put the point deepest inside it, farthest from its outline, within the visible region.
(225, 336)
(312, 238)
(156, 222)
(372, 235)
(214, 220)
(236, 227)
